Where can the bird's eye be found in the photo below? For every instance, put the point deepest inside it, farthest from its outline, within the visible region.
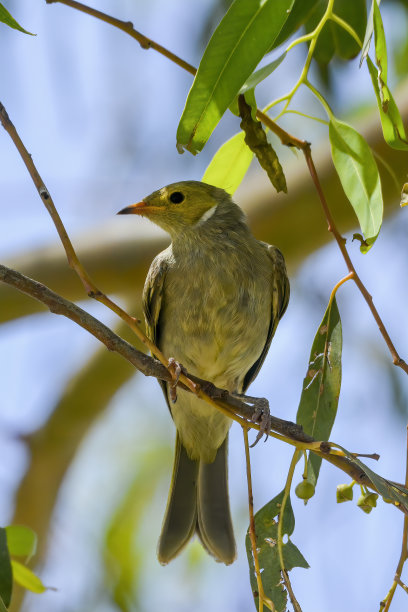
(176, 197)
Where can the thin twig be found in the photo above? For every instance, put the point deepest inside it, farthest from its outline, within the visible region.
(386, 603)
(127, 27)
(262, 598)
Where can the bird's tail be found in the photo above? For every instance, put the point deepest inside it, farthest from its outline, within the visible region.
(198, 501)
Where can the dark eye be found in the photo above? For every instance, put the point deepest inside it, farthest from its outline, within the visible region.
(176, 197)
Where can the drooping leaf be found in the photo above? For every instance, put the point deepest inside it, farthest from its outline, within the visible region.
(321, 386)
(359, 176)
(261, 74)
(21, 540)
(6, 577)
(391, 120)
(6, 18)
(386, 488)
(229, 165)
(256, 140)
(266, 529)
(26, 578)
(238, 44)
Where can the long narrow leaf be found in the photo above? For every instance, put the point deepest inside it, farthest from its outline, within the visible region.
(26, 578)
(238, 44)
(321, 386)
(359, 176)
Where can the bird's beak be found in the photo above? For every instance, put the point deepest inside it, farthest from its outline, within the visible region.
(140, 208)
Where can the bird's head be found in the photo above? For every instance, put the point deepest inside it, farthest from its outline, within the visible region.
(181, 206)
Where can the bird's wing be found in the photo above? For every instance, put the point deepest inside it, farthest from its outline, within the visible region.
(152, 302)
(280, 299)
(153, 295)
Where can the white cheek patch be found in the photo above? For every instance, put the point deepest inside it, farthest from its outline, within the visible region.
(207, 215)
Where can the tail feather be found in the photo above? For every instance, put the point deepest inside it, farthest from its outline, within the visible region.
(198, 501)
(181, 513)
(214, 525)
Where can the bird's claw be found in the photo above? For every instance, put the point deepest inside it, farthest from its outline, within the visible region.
(175, 368)
(262, 415)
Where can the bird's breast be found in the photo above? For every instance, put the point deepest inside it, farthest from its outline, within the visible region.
(216, 314)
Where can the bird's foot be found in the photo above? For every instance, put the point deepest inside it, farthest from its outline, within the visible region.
(175, 368)
(261, 415)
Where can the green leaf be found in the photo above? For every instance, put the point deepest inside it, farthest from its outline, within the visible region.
(359, 176)
(229, 165)
(391, 121)
(261, 74)
(321, 386)
(6, 577)
(238, 44)
(2, 606)
(21, 540)
(26, 578)
(266, 529)
(386, 488)
(6, 18)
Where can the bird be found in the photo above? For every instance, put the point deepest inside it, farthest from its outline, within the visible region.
(212, 301)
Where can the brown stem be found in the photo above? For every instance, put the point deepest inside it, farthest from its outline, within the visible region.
(127, 27)
(404, 551)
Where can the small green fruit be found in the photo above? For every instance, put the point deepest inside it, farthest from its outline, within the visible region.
(367, 502)
(344, 493)
(305, 490)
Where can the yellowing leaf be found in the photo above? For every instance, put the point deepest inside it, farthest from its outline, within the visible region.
(229, 165)
(26, 578)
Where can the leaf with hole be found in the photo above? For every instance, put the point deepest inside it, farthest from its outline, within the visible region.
(321, 386)
(266, 528)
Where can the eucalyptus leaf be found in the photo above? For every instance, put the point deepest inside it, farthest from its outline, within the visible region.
(359, 176)
(21, 540)
(321, 386)
(391, 120)
(6, 576)
(2, 606)
(6, 18)
(380, 54)
(26, 578)
(266, 529)
(300, 13)
(230, 164)
(238, 44)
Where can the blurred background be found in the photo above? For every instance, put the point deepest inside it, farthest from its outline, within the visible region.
(86, 443)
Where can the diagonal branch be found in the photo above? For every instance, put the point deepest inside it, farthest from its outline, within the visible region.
(238, 409)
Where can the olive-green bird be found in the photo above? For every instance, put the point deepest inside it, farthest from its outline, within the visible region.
(212, 301)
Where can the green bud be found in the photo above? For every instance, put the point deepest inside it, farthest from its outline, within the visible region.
(344, 493)
(305, 490)
(367, 501)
